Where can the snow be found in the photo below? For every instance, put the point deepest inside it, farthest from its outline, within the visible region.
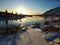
(29, 37)
(32, 36)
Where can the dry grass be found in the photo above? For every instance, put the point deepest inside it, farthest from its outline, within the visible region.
(51, 28)
(9, 30)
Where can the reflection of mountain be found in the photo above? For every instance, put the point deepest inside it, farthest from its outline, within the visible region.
(53, 12)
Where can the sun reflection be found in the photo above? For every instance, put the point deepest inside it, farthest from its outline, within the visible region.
(23, 20)
(18, 20)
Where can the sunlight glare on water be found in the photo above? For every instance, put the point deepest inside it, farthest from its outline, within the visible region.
(32, 20)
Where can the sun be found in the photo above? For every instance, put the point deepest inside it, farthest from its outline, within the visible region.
(21, 10)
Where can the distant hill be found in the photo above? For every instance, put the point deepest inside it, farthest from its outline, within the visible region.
(53, 12)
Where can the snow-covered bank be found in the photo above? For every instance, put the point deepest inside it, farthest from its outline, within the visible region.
(29, 37)
(33, 35)
(51, 34)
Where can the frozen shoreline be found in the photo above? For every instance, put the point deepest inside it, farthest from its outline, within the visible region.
(32, 36)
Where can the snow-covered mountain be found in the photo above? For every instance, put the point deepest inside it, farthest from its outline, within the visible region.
(53, 12)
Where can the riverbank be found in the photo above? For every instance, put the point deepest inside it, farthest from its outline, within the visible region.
(50, 33)
(10, 30)
(32, 35)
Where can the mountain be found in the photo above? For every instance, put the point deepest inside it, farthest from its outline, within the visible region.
(53, 12)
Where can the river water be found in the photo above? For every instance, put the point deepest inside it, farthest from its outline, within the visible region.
(20, 38)
(27, 21)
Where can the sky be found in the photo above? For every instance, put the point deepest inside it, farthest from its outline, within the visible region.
(32, 6)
